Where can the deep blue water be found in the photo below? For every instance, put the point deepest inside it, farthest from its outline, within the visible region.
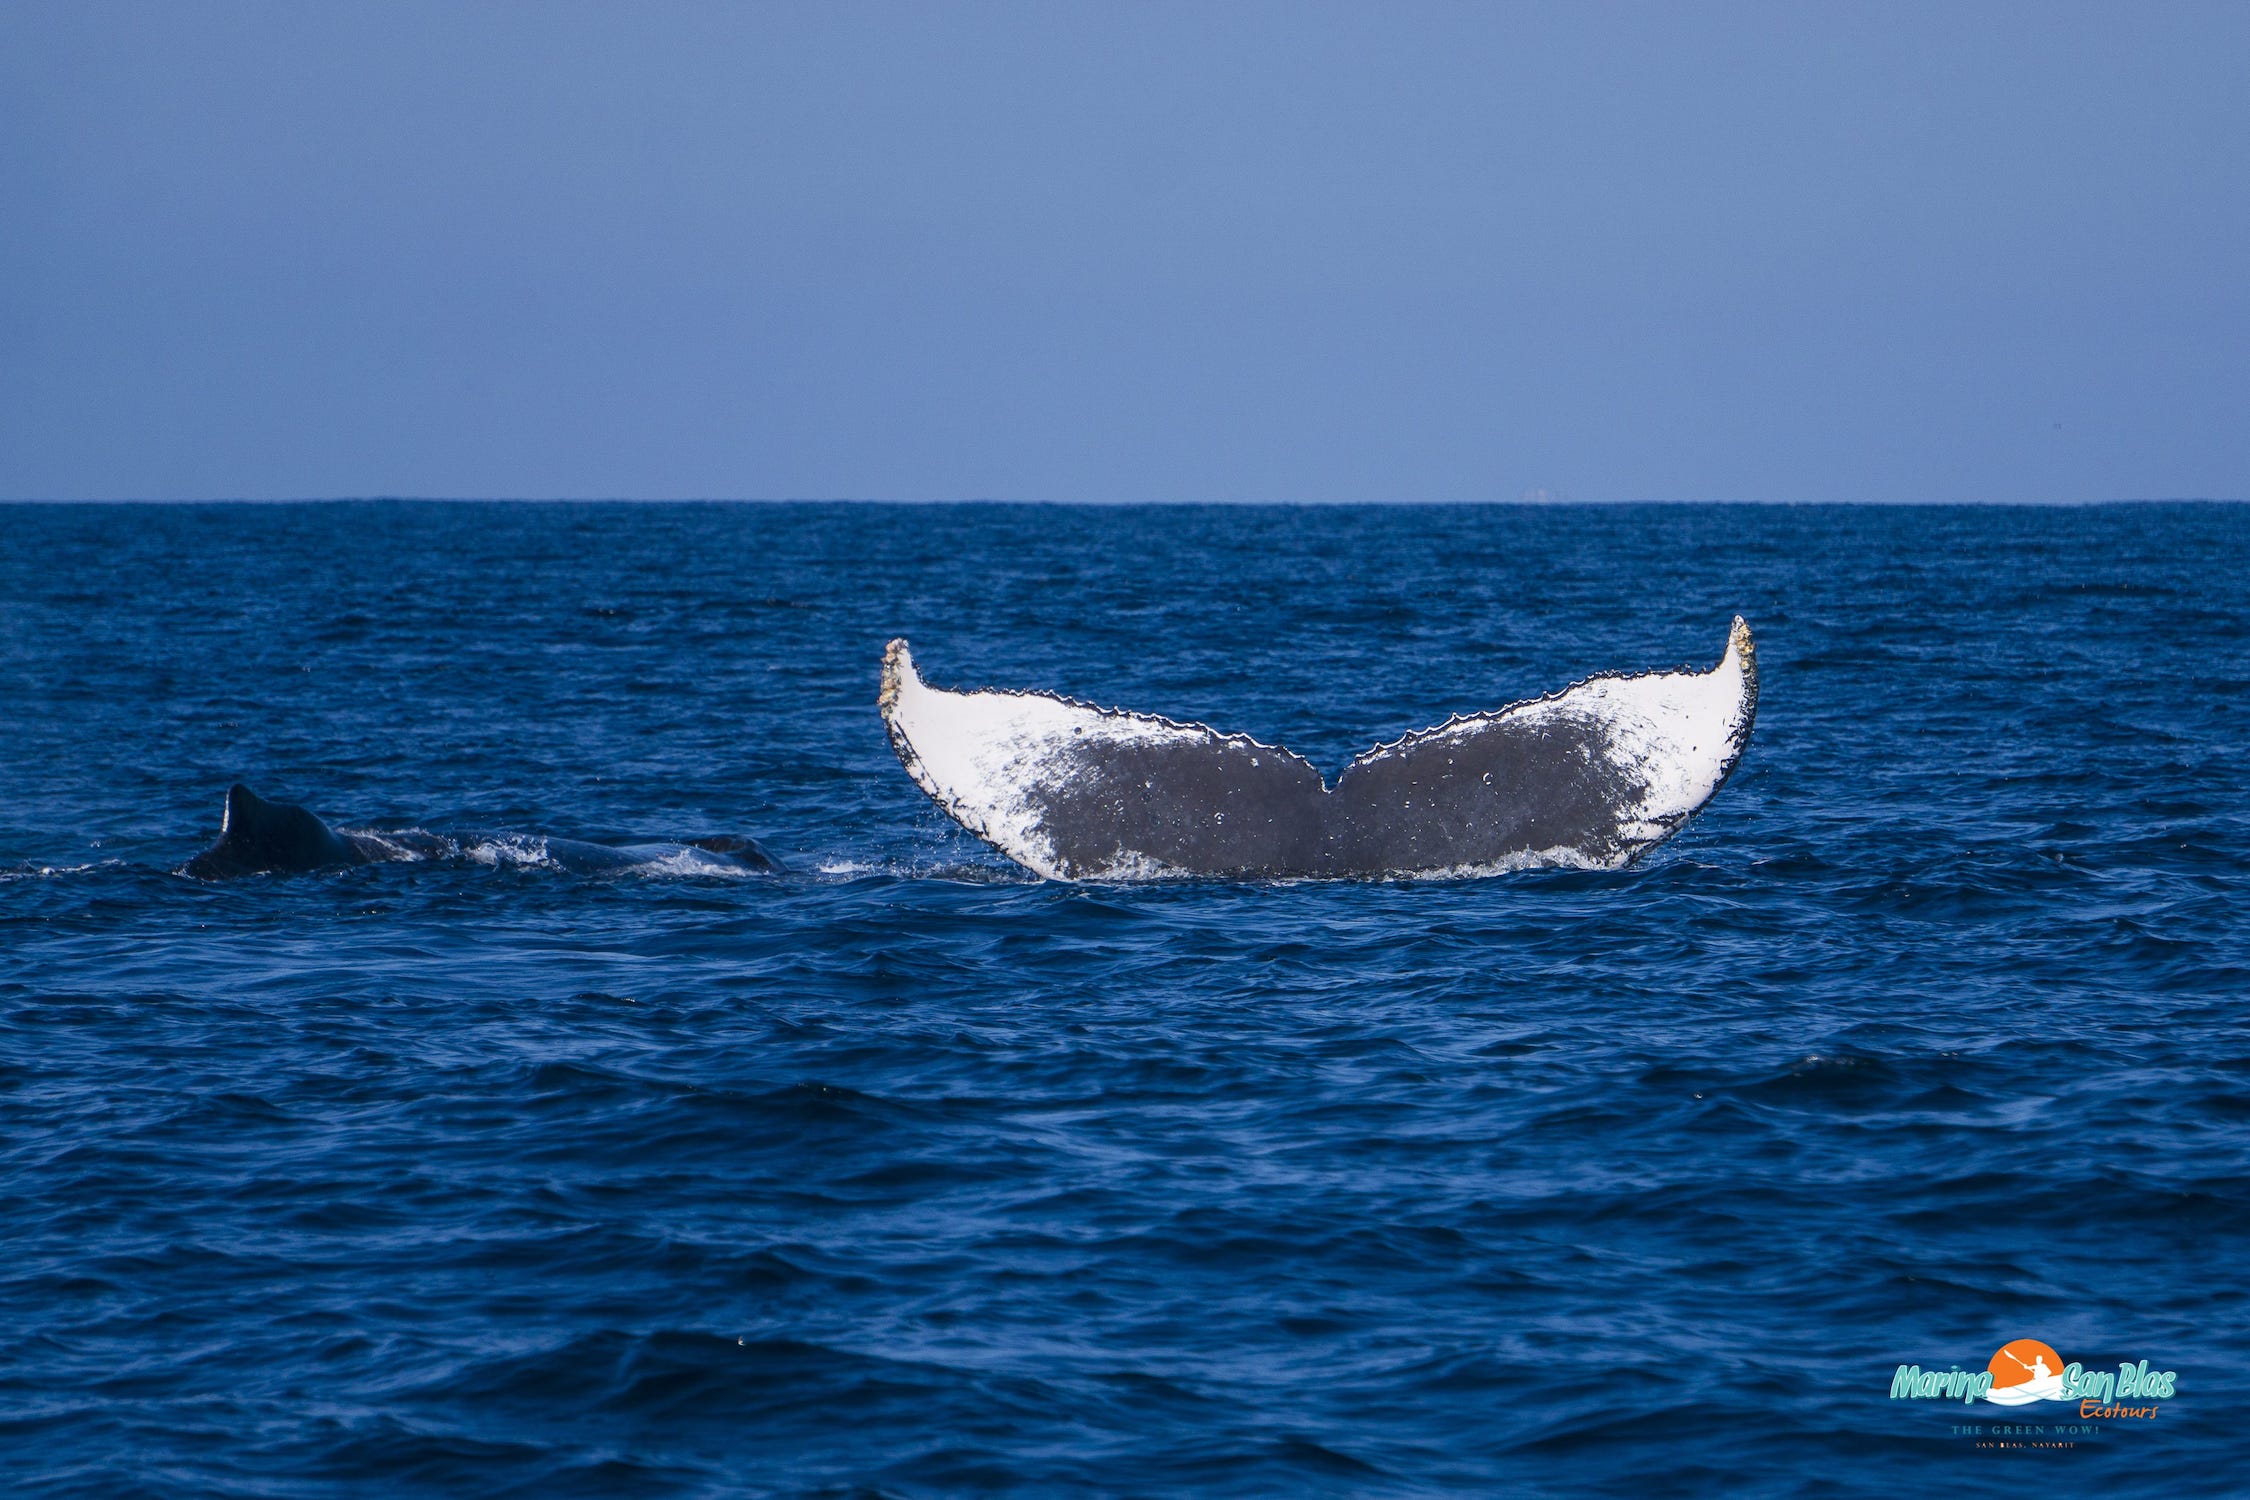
(904, 1175)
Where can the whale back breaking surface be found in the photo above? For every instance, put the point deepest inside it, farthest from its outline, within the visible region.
(260, 837)
(1593, 775)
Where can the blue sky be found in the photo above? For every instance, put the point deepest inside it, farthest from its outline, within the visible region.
(1123, 252)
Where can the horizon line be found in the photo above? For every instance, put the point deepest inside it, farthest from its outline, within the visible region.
(1550, 502)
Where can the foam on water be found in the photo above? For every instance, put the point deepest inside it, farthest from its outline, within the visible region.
(693, 864)
(512, 850)
(52, 872)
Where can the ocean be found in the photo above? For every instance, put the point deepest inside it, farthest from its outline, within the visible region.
(904, 1174)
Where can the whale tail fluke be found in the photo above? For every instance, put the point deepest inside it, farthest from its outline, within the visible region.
(1592, 775)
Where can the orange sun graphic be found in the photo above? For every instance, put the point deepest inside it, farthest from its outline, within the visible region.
(2020, 1361)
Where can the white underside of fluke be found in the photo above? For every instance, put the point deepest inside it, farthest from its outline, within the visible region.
(1679, 733)
(984, 756)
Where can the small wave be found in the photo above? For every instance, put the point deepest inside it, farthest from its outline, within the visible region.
(53, 872)
(692, 864)
(971, 872)
(411, 845)
(534, 852)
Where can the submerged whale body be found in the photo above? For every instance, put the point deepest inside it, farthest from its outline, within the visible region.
(257, 837)
(1592, 776)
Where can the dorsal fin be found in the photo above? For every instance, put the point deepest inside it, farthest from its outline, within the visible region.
(257, 836)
